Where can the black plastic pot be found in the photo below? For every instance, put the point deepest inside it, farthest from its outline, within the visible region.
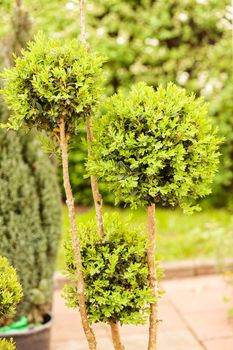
(37, 338)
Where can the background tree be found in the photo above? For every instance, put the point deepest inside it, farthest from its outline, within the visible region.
(30, 211)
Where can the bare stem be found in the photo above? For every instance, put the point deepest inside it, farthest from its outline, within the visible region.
(153, 281)
(18, 3)
(94, 184)
(116, 339)
(82, 22)
(75, 239)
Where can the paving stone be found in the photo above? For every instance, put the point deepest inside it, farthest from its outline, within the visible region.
(170, 319)
(197, 294)
(167, 340)
(210, 325)
(219, 344)
(192, 310)
(103, 344)
(179, 339)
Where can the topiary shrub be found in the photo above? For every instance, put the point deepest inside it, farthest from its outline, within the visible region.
(10, 289)
(156, 147)
(49, 79)
(115, 273)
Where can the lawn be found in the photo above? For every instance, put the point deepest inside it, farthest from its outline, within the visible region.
(200, 235)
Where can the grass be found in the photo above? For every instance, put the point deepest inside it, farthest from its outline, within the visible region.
(200, 235)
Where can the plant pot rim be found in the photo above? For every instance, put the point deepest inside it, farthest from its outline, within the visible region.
(30, 331)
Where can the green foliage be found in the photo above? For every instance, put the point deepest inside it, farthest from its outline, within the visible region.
(52, 78)
(10, 289)
(221, 107)
(7, 345)
(156, 147)
(29, 219)
(180, 236)
(157, 41)
(115, 273)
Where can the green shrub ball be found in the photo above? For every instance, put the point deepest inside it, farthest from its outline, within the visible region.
(51, 78)
(156, 147)
(115, 272)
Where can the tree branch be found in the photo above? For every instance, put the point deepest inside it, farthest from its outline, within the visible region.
(74, 235)
(153, 280)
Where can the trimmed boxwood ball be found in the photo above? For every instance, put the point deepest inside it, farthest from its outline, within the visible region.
(50, 78)
(10, 289)
(156, 147)
(115, 272)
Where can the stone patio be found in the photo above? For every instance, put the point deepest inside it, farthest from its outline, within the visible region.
(193, 312)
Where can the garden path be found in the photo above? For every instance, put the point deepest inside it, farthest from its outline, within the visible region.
(194, 317)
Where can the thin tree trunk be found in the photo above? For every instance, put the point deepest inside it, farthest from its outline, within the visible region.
(116, 339)
(82, 22)
(18, 3)
(94, 184)
(75, 239)
(153, 281)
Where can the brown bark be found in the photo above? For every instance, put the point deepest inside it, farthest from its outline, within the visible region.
(116, 339)
(75, 239)
(94, 184)
(153, 281)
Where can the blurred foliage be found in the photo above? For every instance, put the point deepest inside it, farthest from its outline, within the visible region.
(30, 212)
(29, 219)
(155, 41)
